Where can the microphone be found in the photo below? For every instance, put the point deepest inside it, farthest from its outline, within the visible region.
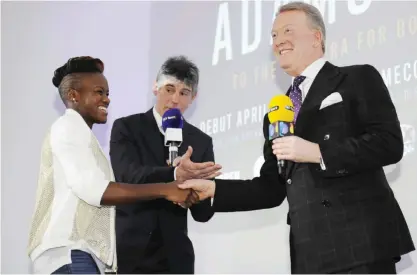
(281, 117)
(172, 123)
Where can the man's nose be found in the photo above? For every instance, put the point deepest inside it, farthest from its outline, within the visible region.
(276, 47)
(175, 98)
(278, 42)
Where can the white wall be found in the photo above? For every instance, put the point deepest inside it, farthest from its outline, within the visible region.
(36, 39)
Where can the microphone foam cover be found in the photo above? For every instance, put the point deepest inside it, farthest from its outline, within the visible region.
(280, 108)
(172, 118)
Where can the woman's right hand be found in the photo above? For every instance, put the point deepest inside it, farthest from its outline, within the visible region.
(183, 197)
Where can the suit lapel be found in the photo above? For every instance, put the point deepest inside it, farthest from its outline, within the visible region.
(153, 138)
(323, 85)
(289, 163)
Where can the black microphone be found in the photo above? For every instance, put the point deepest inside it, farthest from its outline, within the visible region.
(172, 123)
(281, 117)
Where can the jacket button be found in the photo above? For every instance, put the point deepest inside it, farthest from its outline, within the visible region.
(289, 181)
(326, 203)
(326, 137)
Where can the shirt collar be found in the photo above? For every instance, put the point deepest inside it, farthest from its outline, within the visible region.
(158, 119)
(313, 69)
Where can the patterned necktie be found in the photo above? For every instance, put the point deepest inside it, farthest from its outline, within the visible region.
(295, 95)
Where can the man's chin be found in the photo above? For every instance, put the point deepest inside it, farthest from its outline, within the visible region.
(285, 65)
(288, 69)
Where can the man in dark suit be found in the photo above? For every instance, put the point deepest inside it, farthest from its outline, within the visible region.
(343, 215)
(152, 236)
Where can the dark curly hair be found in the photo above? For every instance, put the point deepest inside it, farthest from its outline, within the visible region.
(69, 75)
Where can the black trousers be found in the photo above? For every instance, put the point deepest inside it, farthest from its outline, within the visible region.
(380, 267)
(155, 260)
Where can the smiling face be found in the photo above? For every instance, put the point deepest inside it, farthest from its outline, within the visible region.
(91, 99)
(295, 43)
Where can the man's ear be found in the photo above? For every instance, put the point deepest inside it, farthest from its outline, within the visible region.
(318, 38)
(155, 88)
(193, 96)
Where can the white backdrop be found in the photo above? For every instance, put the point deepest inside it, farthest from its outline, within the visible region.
(230, 42)
(36, 39)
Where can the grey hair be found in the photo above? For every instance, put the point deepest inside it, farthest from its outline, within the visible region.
(313, 15)
(179, 68)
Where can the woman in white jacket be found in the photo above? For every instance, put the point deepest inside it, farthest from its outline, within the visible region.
(73, 227)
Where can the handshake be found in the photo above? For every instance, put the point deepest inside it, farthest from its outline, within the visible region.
(194, 181)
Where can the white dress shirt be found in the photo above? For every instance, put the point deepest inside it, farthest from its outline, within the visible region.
(310, 73)
(74, 173)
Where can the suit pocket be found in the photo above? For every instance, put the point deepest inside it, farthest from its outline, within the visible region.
(332, 115)
(331, 105)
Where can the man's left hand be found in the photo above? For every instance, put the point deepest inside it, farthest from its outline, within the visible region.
(296, 149)
(187, 169)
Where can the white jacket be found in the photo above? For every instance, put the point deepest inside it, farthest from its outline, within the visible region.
(74, 173)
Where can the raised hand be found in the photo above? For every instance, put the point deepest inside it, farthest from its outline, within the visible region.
(187, 169)
(204, 188)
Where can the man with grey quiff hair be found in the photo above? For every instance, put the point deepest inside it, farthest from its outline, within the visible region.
(178, 69)
(152, 237)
